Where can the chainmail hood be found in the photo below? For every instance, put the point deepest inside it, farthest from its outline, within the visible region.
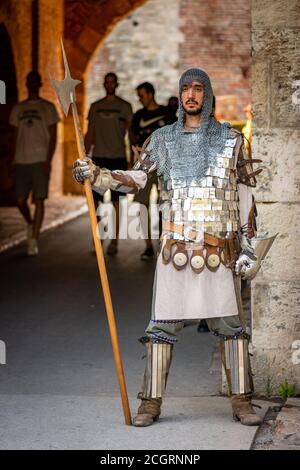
(182, 154)
(186, 79)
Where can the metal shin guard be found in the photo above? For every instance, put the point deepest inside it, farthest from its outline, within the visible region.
(158, 361)
(236, 362)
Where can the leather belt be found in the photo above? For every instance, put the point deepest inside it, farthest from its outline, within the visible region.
(180, 230)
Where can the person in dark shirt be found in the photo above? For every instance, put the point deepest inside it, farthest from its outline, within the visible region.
(173, 104)
(146, 120)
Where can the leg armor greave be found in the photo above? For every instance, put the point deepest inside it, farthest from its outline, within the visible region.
(158, 361)
(236, 362)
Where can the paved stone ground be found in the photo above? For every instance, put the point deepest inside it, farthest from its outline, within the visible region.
(58, 388)
(58, 211)
(281, 427)
(287, 426)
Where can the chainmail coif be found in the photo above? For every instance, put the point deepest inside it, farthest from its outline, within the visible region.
(181, 154)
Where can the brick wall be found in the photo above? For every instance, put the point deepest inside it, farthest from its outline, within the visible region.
(217, 39)
(141, 47)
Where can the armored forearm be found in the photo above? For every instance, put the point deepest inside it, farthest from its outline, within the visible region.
(101, 179)
(130, 181)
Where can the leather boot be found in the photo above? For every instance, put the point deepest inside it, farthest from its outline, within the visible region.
(243, 411)
(148, 412)
(158, 361)
(236, 362)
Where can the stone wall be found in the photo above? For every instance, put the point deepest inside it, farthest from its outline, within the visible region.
(217, 39)
(161, 39)
(144, 46)
(276, 140)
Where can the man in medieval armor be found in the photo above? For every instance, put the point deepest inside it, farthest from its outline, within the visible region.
(205, 181)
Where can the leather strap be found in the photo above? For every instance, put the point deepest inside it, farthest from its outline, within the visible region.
(166, 251)
(208, 239)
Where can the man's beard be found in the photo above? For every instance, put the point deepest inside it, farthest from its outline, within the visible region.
(193, 112)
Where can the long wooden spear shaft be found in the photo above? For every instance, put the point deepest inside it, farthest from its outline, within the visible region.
(65, 91)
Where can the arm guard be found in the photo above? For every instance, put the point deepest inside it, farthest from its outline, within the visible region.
(143, 158)
(132, 180)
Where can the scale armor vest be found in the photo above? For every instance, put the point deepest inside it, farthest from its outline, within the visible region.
(208, 204)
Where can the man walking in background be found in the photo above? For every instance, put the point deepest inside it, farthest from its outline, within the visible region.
(35, 121)
(146, 120)
(109, 120)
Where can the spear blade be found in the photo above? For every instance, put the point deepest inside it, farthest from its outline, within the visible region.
(65, 89)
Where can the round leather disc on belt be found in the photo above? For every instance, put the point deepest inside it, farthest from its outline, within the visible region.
(213, 260)
(180, 259)
(197, 262)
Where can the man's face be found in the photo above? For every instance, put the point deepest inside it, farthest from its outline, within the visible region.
(144, 97)
(192, 97)
(110, 85)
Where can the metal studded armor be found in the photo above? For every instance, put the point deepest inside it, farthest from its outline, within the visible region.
(195, 206)
(198, 173)
(208, 204)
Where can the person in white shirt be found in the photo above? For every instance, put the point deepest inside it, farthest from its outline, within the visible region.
(109, 120)
(35, 121)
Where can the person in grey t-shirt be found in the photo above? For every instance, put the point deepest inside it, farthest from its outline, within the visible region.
(109, 120)
(35, 121)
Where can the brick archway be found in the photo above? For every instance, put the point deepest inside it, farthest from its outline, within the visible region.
(8, 76)
(87, 23)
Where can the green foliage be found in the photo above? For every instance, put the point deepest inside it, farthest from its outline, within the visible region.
(286, 390)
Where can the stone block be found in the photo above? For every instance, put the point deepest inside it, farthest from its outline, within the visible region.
(275, 315)
(275, 14)
(279, 151)
(275, 335)
(283, 260)
(277, 52)
(271, 367)
(260, 91)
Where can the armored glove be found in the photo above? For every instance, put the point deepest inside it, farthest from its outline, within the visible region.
(247, 264)
(84, 169)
